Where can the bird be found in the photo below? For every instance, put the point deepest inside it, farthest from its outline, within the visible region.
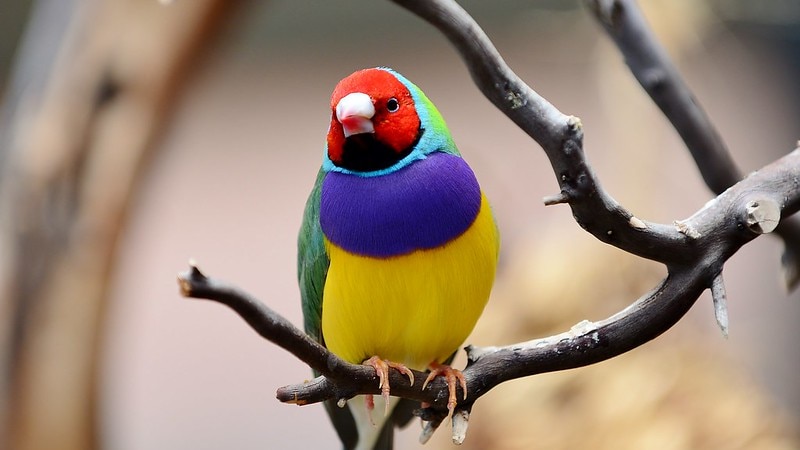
(398, 248)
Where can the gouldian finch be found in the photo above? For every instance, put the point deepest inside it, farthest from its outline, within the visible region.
(398, 247)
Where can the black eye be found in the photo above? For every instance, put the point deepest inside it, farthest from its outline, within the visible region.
(392, 105)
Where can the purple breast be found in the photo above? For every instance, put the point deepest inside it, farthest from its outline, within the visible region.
(421, 206)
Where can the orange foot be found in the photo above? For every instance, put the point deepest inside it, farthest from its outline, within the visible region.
(381, 367)
(451, 376)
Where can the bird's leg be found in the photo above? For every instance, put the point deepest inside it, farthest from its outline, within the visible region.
(381, 367)
(451, 376)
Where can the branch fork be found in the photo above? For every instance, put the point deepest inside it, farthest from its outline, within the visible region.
(694, 250)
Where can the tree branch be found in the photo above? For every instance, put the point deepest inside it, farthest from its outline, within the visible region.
(560, 136)
(651, 66)
(694, 251)
(722, 228)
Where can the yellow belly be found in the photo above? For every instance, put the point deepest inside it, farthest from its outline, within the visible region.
(414, 308)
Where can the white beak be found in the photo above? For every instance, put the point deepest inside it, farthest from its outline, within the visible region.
(354, 111)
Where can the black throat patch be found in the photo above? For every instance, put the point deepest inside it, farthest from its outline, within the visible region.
(364, 153)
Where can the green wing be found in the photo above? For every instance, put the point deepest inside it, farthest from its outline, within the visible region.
(312, 269)
(312, 263)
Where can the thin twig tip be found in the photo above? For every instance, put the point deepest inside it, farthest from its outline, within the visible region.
(194, 271)
(428, 427)
(719, 297)
(188, 278)
(460, 424)
(556, 199)
(184, 285)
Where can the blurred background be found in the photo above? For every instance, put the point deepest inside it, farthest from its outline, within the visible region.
(137, 134)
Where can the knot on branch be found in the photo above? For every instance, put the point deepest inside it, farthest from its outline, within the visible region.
(515, 99)
(609, 12)
(654, 79)
(637, 223)
(762, 215)
(573, 137)
(686, 229)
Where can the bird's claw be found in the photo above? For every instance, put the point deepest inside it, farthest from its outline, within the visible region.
(381, 367)
(450, 375)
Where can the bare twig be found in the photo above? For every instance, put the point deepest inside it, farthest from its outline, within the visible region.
(348, 379)
(650, 64)
(560, 136)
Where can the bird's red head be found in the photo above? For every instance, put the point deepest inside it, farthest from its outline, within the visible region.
(374, 122)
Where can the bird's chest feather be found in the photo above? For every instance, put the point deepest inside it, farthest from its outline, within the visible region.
(421, 206)
(413, 257)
